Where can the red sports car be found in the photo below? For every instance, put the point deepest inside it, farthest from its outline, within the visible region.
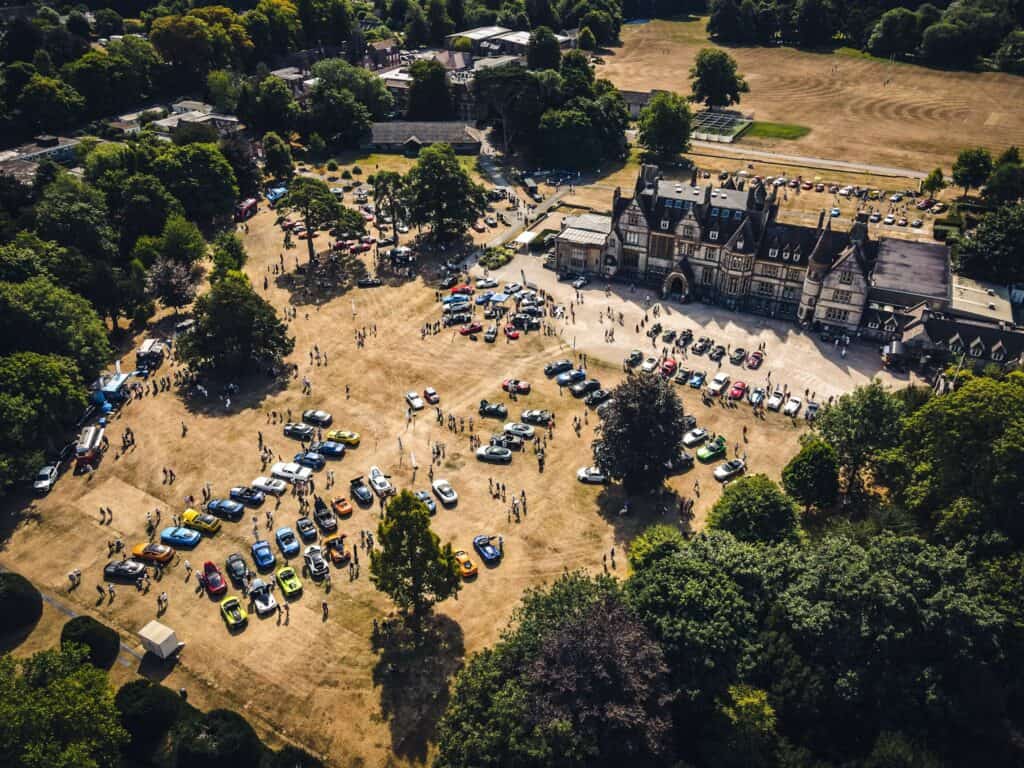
(755, 360)
(739, 389)
(521, 387)
(511, 331)
(668, 368)
(464, 289)
(466, 330)
(213, 579)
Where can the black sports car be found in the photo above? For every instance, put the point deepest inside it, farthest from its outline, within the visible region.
(361, 491)
(493, 410)
(251, 497)
(124, 570)
(236, 567)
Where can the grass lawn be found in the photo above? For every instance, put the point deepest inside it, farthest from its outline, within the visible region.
(762, 130)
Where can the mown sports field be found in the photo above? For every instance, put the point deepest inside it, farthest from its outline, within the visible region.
(857, 107)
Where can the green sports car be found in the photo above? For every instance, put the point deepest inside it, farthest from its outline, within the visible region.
(233, 612)
(713, 450)
(289, 581)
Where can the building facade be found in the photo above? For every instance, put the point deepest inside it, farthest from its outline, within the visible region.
(725, 246)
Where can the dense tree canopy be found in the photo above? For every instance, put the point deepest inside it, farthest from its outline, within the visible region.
(439, 193)
(234, 328)
(57, 710)
(754, 509)
(994, 250)
(665, 125)
(411, 566)
(641, 433)
(716, 83)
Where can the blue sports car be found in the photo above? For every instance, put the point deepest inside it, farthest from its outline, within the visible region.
(253, 497)
(228, 509)
(427, 500)
(484, 545)
(179, 536)
(262, 555)
(328, 449)
(483, 298)
(697, 380)
(570, 377)
(287, 541)
(310, 459)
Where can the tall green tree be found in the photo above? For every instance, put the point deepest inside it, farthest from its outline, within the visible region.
(857, 426)
(234, 328)
(389, 193)
(665, 125)
(411, 566)
(716, 81)
(56, 709)
(440, 23)
(934, 182)
(229, 255)
(338, 116)
(641, 432)
(754, 509)
(812, 476)
(50, 104)
(429, 94)
(1006, 183)
(40, 316)
(972, 168)
(202, 180)
(543, 51)
(994, 250)
(277, 157)
(312, 201)
(439, 193)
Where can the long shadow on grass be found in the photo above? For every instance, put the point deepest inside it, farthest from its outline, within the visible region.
(629, 515)
(414, 672)
(251, 391)
(330, 276)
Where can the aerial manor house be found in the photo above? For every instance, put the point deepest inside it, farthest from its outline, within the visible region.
(725, 245)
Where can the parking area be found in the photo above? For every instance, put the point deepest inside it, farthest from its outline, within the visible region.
(317, 678)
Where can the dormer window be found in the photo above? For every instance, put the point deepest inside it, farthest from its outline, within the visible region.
(773, 253)
(785, 255)
(739, 244)
(872, 324)
(664, 223)
(998, 355)
(713, 234)
(846, 276)
(977, 348)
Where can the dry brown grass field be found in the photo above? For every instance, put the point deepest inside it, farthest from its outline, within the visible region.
(320, 682)
(858, 108)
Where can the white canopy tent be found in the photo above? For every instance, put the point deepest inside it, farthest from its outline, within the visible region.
(160, 640)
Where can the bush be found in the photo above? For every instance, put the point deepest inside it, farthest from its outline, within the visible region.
(103, 643)
(495, 257)
(21, 605)
(221, 738)
(148, 711)
(332, 165)
(346, 174)
(357, 170)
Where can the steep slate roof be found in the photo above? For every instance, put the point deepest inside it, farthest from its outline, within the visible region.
(400, 131)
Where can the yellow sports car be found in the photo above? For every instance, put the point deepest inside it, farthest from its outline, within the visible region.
(288, 580)
(466, 566)
(200, 521)
(344, 436)
(233, 612)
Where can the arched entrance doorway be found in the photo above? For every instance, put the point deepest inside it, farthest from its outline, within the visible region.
(675, 286)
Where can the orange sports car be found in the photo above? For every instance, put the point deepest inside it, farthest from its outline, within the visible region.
(334, 547)
(149, 552)
(342, 507)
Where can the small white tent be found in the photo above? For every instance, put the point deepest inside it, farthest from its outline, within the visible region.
(160, 640)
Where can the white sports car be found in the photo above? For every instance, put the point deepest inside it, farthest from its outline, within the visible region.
(380, 483)
(444, 491)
